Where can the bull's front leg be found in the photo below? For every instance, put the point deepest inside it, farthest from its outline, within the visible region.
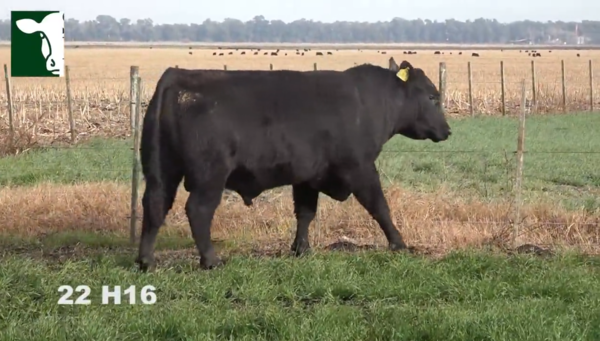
(305, 209)
(366, 187)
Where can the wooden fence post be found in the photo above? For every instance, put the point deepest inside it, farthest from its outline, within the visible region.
(271, 67)
(519, 175)
(442, 85)
(471, 109)
(591, 86)
(11, 123)
(315, 67)
(136, 163)
(70, 104)
(134, 74)
(225, 67)
(502, 88)
(533, 87)
(564, 86)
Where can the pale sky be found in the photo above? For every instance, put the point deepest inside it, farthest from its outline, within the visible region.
(196, 11)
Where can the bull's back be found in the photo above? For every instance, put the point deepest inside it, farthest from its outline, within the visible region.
(275, 128)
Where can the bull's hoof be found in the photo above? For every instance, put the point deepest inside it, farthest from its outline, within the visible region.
(146, 264)
(209, 263)
(398, 246)
(299, 248)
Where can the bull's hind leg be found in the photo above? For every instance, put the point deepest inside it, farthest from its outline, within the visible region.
(200, 209)
(367, 190)
(305, 208)
(157, 201)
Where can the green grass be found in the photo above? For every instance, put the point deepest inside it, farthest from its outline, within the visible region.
(335, 296)
(477, 161)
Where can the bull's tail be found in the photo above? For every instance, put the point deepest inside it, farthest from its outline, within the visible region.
(150, 144)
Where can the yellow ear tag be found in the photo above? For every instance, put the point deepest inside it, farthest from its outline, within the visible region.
(403, 74)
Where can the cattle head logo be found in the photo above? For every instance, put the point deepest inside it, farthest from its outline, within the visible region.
(37, 44)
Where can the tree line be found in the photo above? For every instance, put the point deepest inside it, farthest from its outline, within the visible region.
(480, 31)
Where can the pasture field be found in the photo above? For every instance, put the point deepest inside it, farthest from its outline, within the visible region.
(64, 216)
(443, 196)
(465, 295)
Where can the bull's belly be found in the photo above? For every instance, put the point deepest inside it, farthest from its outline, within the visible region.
(250, 184)
(333, 186)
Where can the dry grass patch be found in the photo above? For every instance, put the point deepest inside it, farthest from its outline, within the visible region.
(440, 220)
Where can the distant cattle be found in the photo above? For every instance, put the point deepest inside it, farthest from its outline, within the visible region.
(52, 34)
(329, 53)
(460, 53)
(319, 53)
(243, 52)
(475, 54)
(255, 53)
(214, 53)
(221, 53)
(537, 54)
(436, 52)
(249, 131)
(273, 53)
(190, 52)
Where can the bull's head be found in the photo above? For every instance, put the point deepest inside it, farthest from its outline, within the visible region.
(51, 30)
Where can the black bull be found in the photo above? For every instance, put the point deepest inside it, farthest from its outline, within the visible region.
(249, 131)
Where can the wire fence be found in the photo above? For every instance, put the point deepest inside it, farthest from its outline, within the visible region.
(489, 189)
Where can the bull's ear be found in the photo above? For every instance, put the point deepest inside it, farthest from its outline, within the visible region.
(393, 66)
(405, 65)
(27, 26)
